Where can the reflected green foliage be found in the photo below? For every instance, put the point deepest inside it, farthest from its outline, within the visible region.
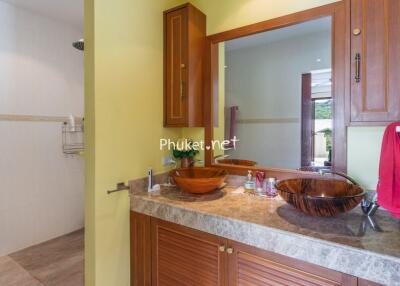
(323, 109)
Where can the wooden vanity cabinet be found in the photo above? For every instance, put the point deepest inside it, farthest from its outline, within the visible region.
(375, 52)
(184, 51)
(167, 254)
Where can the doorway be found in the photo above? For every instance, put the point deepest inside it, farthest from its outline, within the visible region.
(317, 119)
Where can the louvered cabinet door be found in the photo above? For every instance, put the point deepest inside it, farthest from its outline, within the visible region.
(375, 52)
(250, 266)
(182, 256)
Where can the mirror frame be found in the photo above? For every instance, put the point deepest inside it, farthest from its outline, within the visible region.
(340, 15)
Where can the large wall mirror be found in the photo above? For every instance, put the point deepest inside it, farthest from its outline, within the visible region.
(278, 97)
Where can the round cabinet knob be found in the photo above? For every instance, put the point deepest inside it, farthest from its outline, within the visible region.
(356, 31)
(183, 66)
(221, 248)
(229, 250)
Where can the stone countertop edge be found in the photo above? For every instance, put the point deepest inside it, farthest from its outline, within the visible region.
(364, 264)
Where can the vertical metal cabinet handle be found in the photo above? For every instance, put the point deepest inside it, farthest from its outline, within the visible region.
(182, 84)
(229, 250)
(221, 248)
(182, 89)
(358, 65)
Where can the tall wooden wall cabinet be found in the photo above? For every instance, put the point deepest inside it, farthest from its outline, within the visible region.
(375, 50)
(184, 50)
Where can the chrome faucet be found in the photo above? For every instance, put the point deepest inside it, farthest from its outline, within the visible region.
(368, 207)
(326, 171)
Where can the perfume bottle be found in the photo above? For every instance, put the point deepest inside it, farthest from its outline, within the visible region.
(260, 176)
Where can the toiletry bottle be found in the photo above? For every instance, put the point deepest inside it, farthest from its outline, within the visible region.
(249, 184)
(260, 176)
(270, 188)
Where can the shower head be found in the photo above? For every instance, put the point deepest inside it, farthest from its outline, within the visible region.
(80, 45)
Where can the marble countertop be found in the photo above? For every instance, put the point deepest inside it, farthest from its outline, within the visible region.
(346, 243)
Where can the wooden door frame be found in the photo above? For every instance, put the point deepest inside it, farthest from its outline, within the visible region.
(307, 114)
(340, 13)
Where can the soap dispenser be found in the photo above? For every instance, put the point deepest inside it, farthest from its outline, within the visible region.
(249, 185)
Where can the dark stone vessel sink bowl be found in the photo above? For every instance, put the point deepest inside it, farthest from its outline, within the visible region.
(320, 197)
(198, 180)
(238, 162)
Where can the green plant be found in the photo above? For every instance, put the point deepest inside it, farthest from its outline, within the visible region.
(323, 109)
(184, 148)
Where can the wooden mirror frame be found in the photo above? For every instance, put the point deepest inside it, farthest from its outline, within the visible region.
(340, 15)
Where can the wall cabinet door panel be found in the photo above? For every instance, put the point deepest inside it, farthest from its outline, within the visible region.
(375, 46)
(176, 59)
(184, 44)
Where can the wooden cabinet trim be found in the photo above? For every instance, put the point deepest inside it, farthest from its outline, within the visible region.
(140, 249)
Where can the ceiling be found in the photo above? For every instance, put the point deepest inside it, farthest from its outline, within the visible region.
(313, 26)
(69, 11)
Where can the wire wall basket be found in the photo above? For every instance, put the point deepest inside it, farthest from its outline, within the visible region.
(72, 138)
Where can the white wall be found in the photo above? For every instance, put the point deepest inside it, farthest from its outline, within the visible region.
(41, 190)
(265, 82)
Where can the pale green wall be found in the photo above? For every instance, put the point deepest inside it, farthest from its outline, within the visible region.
(364, 145)
(223, 15)
(123, 123)
(219, 131)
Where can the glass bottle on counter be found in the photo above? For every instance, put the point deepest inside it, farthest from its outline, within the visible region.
(260, 178)
(249, 185)
(270, 189)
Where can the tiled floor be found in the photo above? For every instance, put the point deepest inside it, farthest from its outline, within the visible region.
(58, 262)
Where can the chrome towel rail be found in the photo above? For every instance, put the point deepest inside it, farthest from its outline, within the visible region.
(120, 187)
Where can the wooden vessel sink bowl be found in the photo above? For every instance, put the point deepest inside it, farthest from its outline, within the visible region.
(198, 180)
(320, 197)
(238, 162)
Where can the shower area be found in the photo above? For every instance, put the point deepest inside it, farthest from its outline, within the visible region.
(41, 146)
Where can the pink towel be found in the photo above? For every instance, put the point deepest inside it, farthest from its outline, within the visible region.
(389, 171)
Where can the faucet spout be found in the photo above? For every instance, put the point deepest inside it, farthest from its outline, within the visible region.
(222, 156)
(325, 171)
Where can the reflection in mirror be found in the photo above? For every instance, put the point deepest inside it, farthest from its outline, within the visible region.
(275, 97)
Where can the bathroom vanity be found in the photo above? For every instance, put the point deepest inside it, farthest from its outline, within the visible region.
(229, 238)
